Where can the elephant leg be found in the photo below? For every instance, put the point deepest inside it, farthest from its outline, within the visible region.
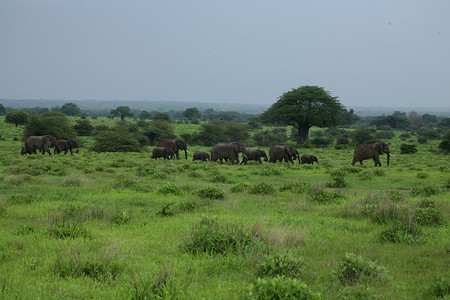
(71, 152)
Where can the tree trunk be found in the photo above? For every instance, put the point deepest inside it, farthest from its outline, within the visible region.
(302, 134)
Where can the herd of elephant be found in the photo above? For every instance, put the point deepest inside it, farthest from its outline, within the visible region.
(169, 148)
(43, 143)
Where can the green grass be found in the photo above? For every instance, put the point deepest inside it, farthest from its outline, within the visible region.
(121, 226)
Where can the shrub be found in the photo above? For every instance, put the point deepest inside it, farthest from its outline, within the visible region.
(439, 288)
(280, 265)
(124, 182)
(428, 216)
(320, 195)
(240, 187)
(338, 180)
(83, 127)
(211, 192)
(428, 190)
(385, 135)
(422, 140)
(115, 141)
(280, 288)
(422, 175)
(51, 123)
(169, 189)
(294, 187)
(161, 286)
(321, 142)
(444, 145)
(20, 199)
(404, 136)
(121, 217)
(270, 170)
(62, 230)
(264, 188)
(408, 149)
(210, 237)
(355, 269)
(401, 233)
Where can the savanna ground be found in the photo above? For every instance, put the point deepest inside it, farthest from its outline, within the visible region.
(121, 226)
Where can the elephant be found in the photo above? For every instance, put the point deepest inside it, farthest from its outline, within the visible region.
(368, 151)
(43, 143)
(66, 145)
(175, 145)
(25, 151)
(253, 154)
(227, 151)
(163, 152)
(288, 153)
(198, 155)
(309, 159)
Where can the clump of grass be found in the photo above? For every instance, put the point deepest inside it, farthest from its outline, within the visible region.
(162, 286)
(121, 217)
(240, 187)
(169, 189)
(124, 182)
(280, 265)
(160, 175)
(422, 175)
(270, 170)
(25, 229)
(427, 190)
(355, 269)
(320, 195)
(72, 182)
(220, 178)
(338, 181)
(294, 187)
(438, 288)
(23, 199)
(211, 237)
(280, 288)
(67, 230)
(400, 232)
(428, 216)
(265, 188)
(16, 180)
(211, 192)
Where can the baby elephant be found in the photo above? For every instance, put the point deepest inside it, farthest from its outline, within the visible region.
(309, 159)
(252, 154)
(198, 155)
(163, 152)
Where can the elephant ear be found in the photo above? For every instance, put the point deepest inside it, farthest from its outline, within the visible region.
(381, 147)
(288, 150)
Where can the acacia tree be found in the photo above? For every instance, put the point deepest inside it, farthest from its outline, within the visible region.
(122, 112)
(303, 108)
(17, 117)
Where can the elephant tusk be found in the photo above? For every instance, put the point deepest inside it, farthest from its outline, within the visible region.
(391, 154)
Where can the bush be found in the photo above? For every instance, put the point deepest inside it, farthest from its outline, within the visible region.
(83, 127)
(54, 124)
(427, 190)
(264, 188)
(67, 231)
(162, 286)
(400, 232)
(20, 199)
(422, 140)
(321, 142)
(428, 216)
(211, 192)
(320, 195)
(210, 237)
(385, 135)
(444, 145)
(338, 180)
(408, 149)
(240, 187)
(404, 136)
(294, 187)
(169, 189)
(276, 136)
(114, 141)
(363, 135)
(355, 269)
(422, 175)
(280, 265)
(439, 288)
(280, 288)
(121, 217)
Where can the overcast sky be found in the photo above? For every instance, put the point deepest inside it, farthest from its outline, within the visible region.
(367, 53)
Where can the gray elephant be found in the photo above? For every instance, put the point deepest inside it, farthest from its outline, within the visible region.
(198, 155)
(253, 154)
(43, 143)
(371, 151)
(175, 145)
(286, 153)
(25, 151)
(66, 145)
(309, 159)
(163, 152)
(226, 151)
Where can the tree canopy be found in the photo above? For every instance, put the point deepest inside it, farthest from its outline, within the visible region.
(303, 108)
(52, 123)
(122, 112)
(192, 113)
(17, 117)
(70, 109)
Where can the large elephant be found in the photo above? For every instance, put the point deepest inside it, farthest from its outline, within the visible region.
(227, 151)
(253, 154)
(198, 155)
(163, 152)
(25, 151)
(368, 151)
(309, 159)
(42, 142)
(288, 153)
(66, 145)
(175, 145)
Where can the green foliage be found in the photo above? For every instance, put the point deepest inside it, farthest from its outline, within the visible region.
(161, 286)
(217, 131)
(51, 123)
(321, 195)
(338, 178)
(21, 199)
(408, 149)
(355, 269)
(83, 127)
(240, 187)
(121, 217)
(158, 129)
(67, 230)
(17, 117)
(363, 135)
(294, 187)
(280, 288)
(422, 175)
(280, 265)
(404, 136)
(276, 136)
(70, 109)
(114, 141)
(169, 189)
(264, 188)
(303, 108)
(444, 145)
(321, 142)
(394, 121)
(210, 237)
(122, 112)
(211, 192)
(385, 135)
(192, 113)
(438, 288)
(426, 190)
(428, 216)
(401, 232)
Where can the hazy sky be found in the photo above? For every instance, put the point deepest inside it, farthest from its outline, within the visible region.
(368, 53)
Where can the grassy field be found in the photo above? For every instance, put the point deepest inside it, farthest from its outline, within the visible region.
(123, 226)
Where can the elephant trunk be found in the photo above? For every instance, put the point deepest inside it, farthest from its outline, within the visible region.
(388, 156)
(185, 153)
